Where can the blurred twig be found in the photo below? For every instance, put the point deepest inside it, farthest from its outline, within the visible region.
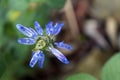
(71, 18)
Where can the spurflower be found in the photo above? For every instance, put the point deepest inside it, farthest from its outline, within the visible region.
(44, 41)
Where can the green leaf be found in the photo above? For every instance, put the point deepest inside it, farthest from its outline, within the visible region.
(19, 5)
(8, 75)
(21, 51)
(1, 31)
(8, 30)
(82, 76)
(41, 14)
(36, 0)
(56, 4)
(111, 70)
(2, 66)
(3, 3)
(26, 18)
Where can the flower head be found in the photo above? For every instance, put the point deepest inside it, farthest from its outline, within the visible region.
(44, 41)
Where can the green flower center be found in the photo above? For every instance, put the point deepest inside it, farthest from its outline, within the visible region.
(43, 42)
(40, 44)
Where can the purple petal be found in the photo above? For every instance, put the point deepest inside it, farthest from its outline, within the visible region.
(35, 33)
(38, 28)
(26, 31)
(49, 28)
(26, 41)
(59, 55)
(57, 28)
(41, 59)
(34, 59)
(63, 45)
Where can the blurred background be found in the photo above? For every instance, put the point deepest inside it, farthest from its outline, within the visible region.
(91, 27)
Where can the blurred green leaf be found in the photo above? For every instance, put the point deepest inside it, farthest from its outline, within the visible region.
(21, 51)
(25, 18)
(3, 11)
(81, 77)
(43, 14)
(1, 31)
(19, 5)
(14, 57)
(111, 70)
(12, 15)
(56, 4)
(8, 30)
(3, 3)
(2, 66)
(37, 0)
(2, 22)
(8, 75)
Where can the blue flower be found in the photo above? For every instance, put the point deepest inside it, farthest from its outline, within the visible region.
(44, 42)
